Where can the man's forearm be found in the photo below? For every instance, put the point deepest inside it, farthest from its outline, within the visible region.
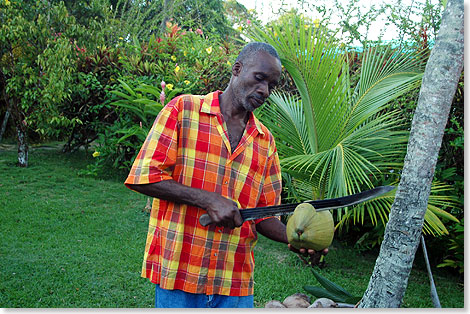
(173, 191)
(223, 211)
(273, 229)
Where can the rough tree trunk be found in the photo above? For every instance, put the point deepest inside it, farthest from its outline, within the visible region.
(166, 8)
(390, 277)
(22, 147)
(5, 98)
(4, 123)
(21, 132)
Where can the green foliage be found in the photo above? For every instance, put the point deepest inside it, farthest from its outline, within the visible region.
(455, 257)
(207, 15)
(336, 138)
(59, 61)
(330, 290)
(119, 142)
(450, 165)
(186, 61)
(417, 23)
(36, 63)
(140, 20)
(89, 101)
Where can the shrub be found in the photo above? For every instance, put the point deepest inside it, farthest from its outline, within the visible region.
(188, 61)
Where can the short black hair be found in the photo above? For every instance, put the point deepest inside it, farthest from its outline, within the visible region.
(252, 48)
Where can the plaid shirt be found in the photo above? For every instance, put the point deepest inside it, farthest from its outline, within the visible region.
(189, 143)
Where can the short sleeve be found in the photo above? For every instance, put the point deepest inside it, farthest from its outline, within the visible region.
(157, 156)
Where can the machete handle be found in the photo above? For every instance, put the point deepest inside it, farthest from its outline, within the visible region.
(205, 220)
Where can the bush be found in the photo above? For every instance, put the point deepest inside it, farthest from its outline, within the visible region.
(187, 61)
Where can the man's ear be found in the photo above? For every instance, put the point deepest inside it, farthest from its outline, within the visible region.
(237, 68)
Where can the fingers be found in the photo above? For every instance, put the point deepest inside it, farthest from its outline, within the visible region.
(306, 252)
(309, 256)
(238, 220)
(230, 218)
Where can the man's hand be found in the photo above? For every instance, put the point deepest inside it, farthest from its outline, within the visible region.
(309, 255)
(223, 212)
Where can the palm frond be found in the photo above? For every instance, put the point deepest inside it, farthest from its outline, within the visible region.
(339, 139)
(284, 116)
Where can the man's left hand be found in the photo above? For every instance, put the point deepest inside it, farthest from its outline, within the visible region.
(309, 255)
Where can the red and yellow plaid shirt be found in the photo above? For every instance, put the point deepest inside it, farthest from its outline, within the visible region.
(189, 143)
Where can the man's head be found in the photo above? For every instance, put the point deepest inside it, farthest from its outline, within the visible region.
(252, 48)
(255, 73)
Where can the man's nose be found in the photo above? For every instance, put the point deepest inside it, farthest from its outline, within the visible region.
(263, 89)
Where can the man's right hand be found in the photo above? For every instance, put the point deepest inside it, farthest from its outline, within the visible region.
(223, 211)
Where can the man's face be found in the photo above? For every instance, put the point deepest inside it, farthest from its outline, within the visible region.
(255, 80)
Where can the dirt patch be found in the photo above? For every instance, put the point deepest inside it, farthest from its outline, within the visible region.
(7, 147)
(48, 146)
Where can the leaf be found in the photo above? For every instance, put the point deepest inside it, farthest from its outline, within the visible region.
(122, 95)
(155, 91)
(331, 286)
(173, 93)
(133, 108)
(127, 87)
(319, 292)
(146, 101)
(353, 300)
(442, 213)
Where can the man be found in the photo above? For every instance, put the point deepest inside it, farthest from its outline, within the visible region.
(203, 155)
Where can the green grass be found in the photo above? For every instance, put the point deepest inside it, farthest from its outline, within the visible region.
(74, 241)
(279, 273)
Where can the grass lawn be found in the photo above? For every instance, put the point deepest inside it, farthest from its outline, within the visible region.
(71, 241)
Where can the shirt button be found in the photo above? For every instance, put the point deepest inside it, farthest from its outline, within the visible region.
(215, 254)
(220, 230)
(226, 182)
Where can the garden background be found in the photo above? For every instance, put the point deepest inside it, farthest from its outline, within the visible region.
(81, 86)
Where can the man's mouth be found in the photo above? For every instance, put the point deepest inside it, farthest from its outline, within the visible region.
(258, 100)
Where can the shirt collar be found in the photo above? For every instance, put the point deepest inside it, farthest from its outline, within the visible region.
(211, 105)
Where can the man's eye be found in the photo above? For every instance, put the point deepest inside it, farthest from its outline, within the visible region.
(258, 77)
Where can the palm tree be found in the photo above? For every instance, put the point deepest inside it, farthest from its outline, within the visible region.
(334, 137)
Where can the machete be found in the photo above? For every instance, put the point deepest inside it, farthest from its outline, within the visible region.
(332, 203)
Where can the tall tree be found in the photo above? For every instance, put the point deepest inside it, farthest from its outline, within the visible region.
(36, 60)
(390, 277)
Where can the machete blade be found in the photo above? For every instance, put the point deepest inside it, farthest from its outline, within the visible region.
(332, 203)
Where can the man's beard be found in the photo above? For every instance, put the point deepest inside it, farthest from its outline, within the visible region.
(251, 103)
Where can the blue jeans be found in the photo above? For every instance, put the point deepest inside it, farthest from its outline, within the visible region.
(180, 299)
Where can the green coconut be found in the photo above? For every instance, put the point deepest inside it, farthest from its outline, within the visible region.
(310, 229)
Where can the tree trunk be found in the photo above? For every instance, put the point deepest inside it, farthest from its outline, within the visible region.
(21, 132)
(166, 6)
(4, 123)
(389, 280)
(22, 147)
(3, 83)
